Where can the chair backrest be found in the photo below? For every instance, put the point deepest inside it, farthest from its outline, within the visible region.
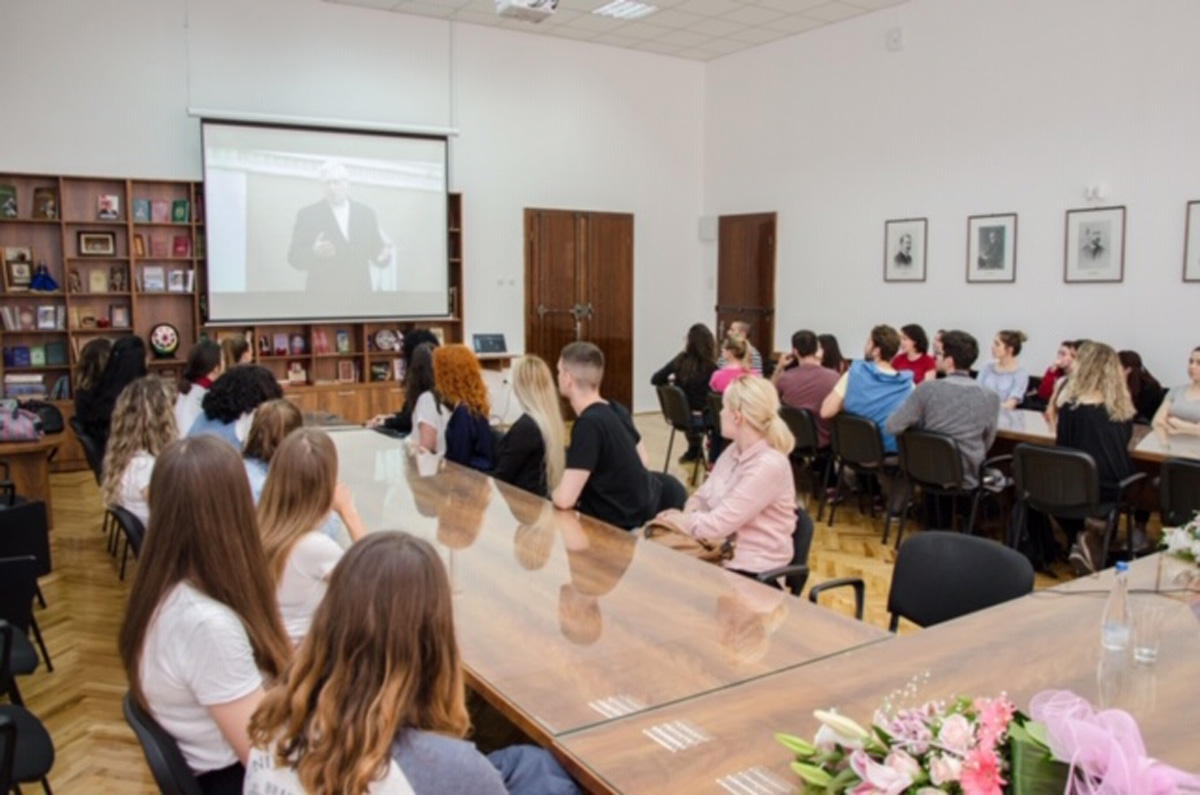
(1179, 491)
(91, 450)
(674, 405)
(716, 402)
(24, 531)
(132, 526)
(18, 582)
(8, 752)
(803, 426)
(802, 538)
(171, 772)
(940, 576)
(856, 440)
(1055, 478)
(931, 459)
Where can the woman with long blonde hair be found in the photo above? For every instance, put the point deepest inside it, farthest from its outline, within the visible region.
(202, 631)
(749, 493)
(375, 700)
(1095, 415)
(532, 455)
(459, 380)
(143, 424)
(301, 490)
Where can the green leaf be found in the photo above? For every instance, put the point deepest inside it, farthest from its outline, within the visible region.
(812, 774)
(1034, 771)
(843, 781)
(1037, 731)
(795, 744)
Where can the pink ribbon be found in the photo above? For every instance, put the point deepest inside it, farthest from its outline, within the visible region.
(1104, 749)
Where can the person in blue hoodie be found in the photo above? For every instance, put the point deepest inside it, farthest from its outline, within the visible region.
(871, 388)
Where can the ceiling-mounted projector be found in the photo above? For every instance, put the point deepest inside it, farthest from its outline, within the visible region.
(527, 10)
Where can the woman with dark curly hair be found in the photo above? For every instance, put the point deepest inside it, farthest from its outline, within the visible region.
(126, 363)
(460, 385)
(229, 406)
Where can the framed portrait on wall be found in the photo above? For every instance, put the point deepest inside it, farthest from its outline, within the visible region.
(1191, 243)
(992, 248)
(904, 241)
(1094, 248)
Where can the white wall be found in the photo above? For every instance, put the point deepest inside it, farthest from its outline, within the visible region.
(992, 106)
(103, 88)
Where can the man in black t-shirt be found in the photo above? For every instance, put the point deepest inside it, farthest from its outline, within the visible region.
(606, 475)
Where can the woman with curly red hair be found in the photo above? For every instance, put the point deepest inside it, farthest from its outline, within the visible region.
(460, 386)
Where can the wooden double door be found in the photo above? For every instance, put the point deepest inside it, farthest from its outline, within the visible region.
(579, 286)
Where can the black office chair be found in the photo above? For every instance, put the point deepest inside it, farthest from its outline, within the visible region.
(678, 414)
(24, 530)
(133, 530)
(805, 454)
(712, 419)
(857, 445)
(1179, 491)
(26, 751)
(1063, 482)
(943, 575)
(933, 462)
(91, 448)
(167, 765)
(795, 574)
(18, 579)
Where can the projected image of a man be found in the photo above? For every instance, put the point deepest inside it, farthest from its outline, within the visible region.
(337, 241)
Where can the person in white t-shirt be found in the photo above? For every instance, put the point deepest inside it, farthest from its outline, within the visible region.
(374, 701)
(429, 416)
(301, 490)
(203, 367)
(202, 631)
(142, 425)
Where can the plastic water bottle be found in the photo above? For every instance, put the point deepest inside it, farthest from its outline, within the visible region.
(1116, 624)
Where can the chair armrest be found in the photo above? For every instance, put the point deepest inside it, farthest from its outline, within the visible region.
(791, 570)
(994, 460)
(1125, 483)
(860, 591)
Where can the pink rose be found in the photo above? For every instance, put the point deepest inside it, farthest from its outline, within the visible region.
(881, 778)
(981, 773)
(956, 734)
(944, 769)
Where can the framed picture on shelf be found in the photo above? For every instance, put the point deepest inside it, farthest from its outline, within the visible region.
(117, 282)
(343, 341)
(8, 201)
(108, 207)
(904, 241)
(153, 279)
(74, 281)
(45, 203)
(97, 281)
(97, 244)
(47, 318)
(118, 315)
(992, 248)
(27, 318)
(19, 273)
(345, 370)
(1191, 243)
(296, 374)
(139, 245)
(1094, 248)
(176, 281)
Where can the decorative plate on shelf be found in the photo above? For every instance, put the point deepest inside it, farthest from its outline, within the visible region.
(386, 339)
(164, 340)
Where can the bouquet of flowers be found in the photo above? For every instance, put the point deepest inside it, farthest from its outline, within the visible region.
(1183, 542)
(983, 746)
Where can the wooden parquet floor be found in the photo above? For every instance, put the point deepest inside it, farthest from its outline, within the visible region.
(80, 702)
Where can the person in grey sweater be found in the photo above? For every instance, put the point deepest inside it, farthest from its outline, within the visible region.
(956, 405)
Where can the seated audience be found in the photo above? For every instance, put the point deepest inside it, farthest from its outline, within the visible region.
(459, 380)
(93, 408)
(414, 384)
(690, 370)
(1095, 415)
(739, 329)
(1180, 409)
(803, 382)
(955, 405)
(871, 388)
(831, 354)
(735, 363)
(273, 421)
(202, 368)
(235, 350)
(749, 494)
(428, 415)
(228, 408)
(1055, 372)
(937, 345)
(606, 475)
(301, 491)
(202, 629)
(375, 700)
(92, 360)
(914, 353)
(1004, 375)
(532, 455)
(142, 426)
(1145, 391)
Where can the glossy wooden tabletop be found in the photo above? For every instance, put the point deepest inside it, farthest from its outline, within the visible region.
(1023, 425)
(566, 622)
(1048, 640)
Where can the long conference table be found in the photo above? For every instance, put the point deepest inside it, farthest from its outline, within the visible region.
(645, 670)
(1147, 445)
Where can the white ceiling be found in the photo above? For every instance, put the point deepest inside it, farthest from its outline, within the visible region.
(696, 29)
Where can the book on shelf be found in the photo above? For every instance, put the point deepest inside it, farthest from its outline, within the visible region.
(60, 317)
(320, 341)
(189, 281)
(37, 356)
(8, 201)
(97, 280)
(160, 211)
(153, 279)
(56, 353)
(141, 211)
(158, 246)
(200, 244)
(343, 341)
(20, 356)
(179, 211)
(176, 281)
(62, 387)
(45, 203)
(181, 246)
(9, 314)
(27, 318)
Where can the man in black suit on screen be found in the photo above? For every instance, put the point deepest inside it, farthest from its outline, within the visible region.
(337, 240)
